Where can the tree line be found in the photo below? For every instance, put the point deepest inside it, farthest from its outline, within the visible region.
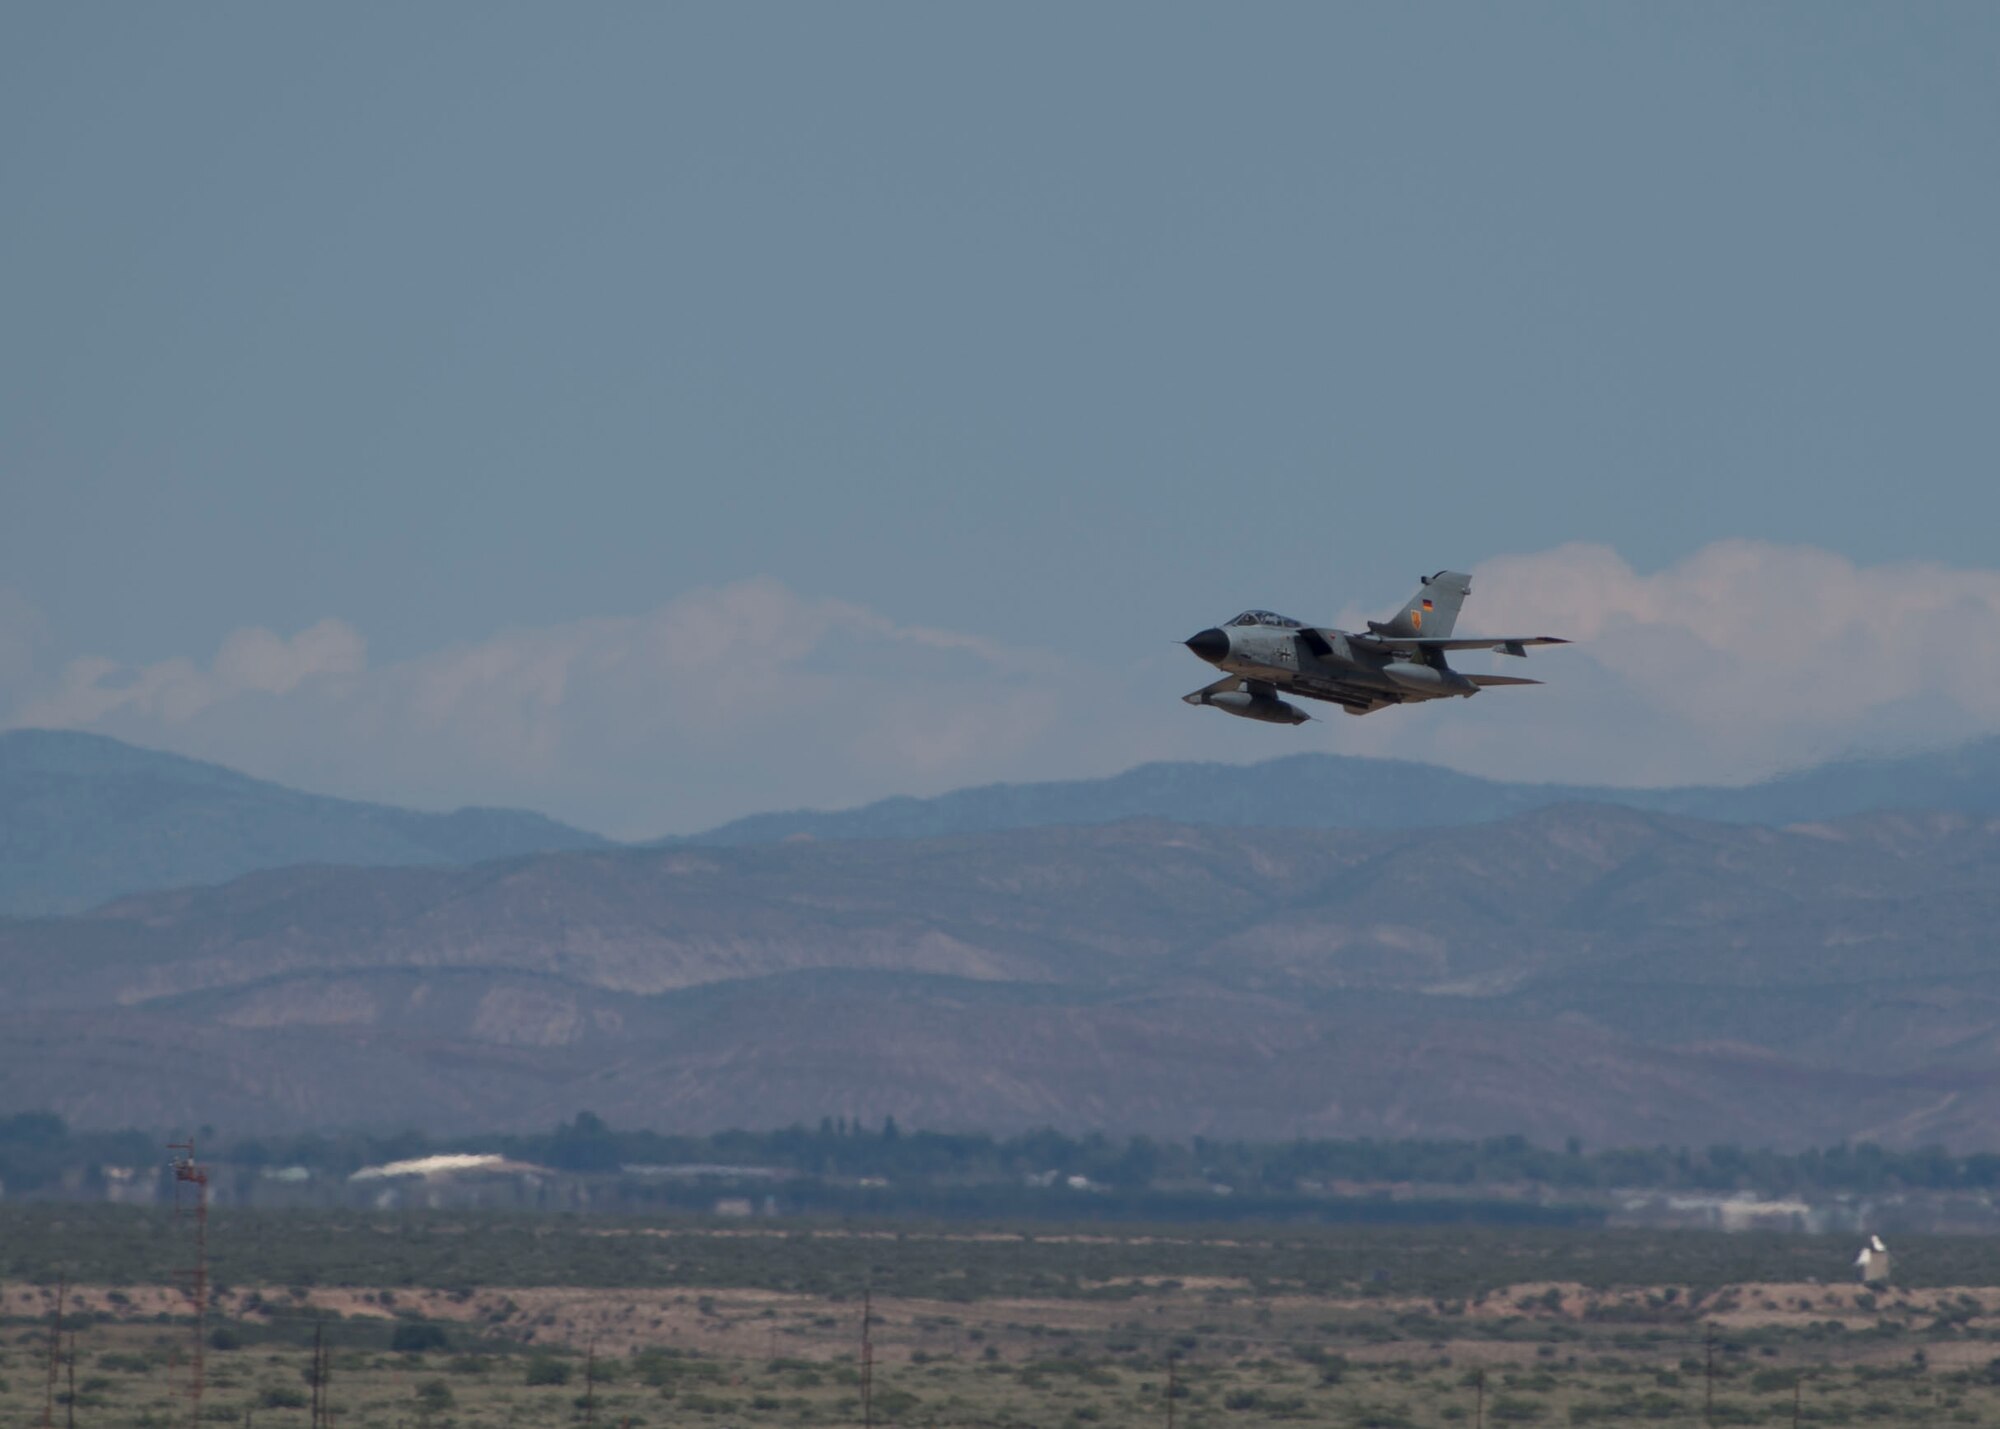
(39, 1150)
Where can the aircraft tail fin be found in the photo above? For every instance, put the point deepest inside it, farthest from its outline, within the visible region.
(1433, 610)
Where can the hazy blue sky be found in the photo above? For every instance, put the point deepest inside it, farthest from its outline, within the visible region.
(657, 412)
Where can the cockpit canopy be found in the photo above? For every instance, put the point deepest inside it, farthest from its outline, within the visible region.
(1265, 617)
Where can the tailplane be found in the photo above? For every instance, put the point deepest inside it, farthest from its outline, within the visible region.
(1432, 611)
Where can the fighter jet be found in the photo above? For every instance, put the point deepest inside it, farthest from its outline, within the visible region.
(1397, 662)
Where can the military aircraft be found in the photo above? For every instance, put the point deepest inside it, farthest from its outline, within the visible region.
(1396, 662)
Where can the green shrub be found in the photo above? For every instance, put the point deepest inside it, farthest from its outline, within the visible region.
(543, 1370)
(418, 1337)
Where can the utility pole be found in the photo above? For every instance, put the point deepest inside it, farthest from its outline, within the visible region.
(55, 1353)
(867, 1359)
(1708, 1378)
(590, 1382)
(1479, 1404)
(321, 1413)
(70, 1416)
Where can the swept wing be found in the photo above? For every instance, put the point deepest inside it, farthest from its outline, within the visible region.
(1505, 644)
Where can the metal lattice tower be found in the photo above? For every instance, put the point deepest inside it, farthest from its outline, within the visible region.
(189, 1172)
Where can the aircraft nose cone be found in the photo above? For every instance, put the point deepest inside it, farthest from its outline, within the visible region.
(1210, 644)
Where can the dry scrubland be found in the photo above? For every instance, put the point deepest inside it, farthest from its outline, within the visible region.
(960, 1338)
(1622, 977)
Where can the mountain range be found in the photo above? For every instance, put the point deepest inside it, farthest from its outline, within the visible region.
(1615, 974)
(84, 818)
(1317, 945)
(1331, 791)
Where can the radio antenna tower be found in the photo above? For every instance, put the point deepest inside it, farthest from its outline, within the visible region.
(189, 1172)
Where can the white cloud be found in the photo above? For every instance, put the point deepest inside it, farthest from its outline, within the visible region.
(1743, 658)
(1739, 660)
(90, 689)
(721, 701)
(256, 659)
(1770, 630)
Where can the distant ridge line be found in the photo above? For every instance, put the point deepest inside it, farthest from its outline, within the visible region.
(1314, 790)
(85, 818)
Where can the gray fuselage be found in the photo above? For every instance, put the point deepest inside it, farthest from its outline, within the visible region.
(1399, 661)
(1326, 664)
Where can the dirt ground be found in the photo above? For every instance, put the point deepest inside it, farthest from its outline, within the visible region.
(749, 1323)
(1221, 1355)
